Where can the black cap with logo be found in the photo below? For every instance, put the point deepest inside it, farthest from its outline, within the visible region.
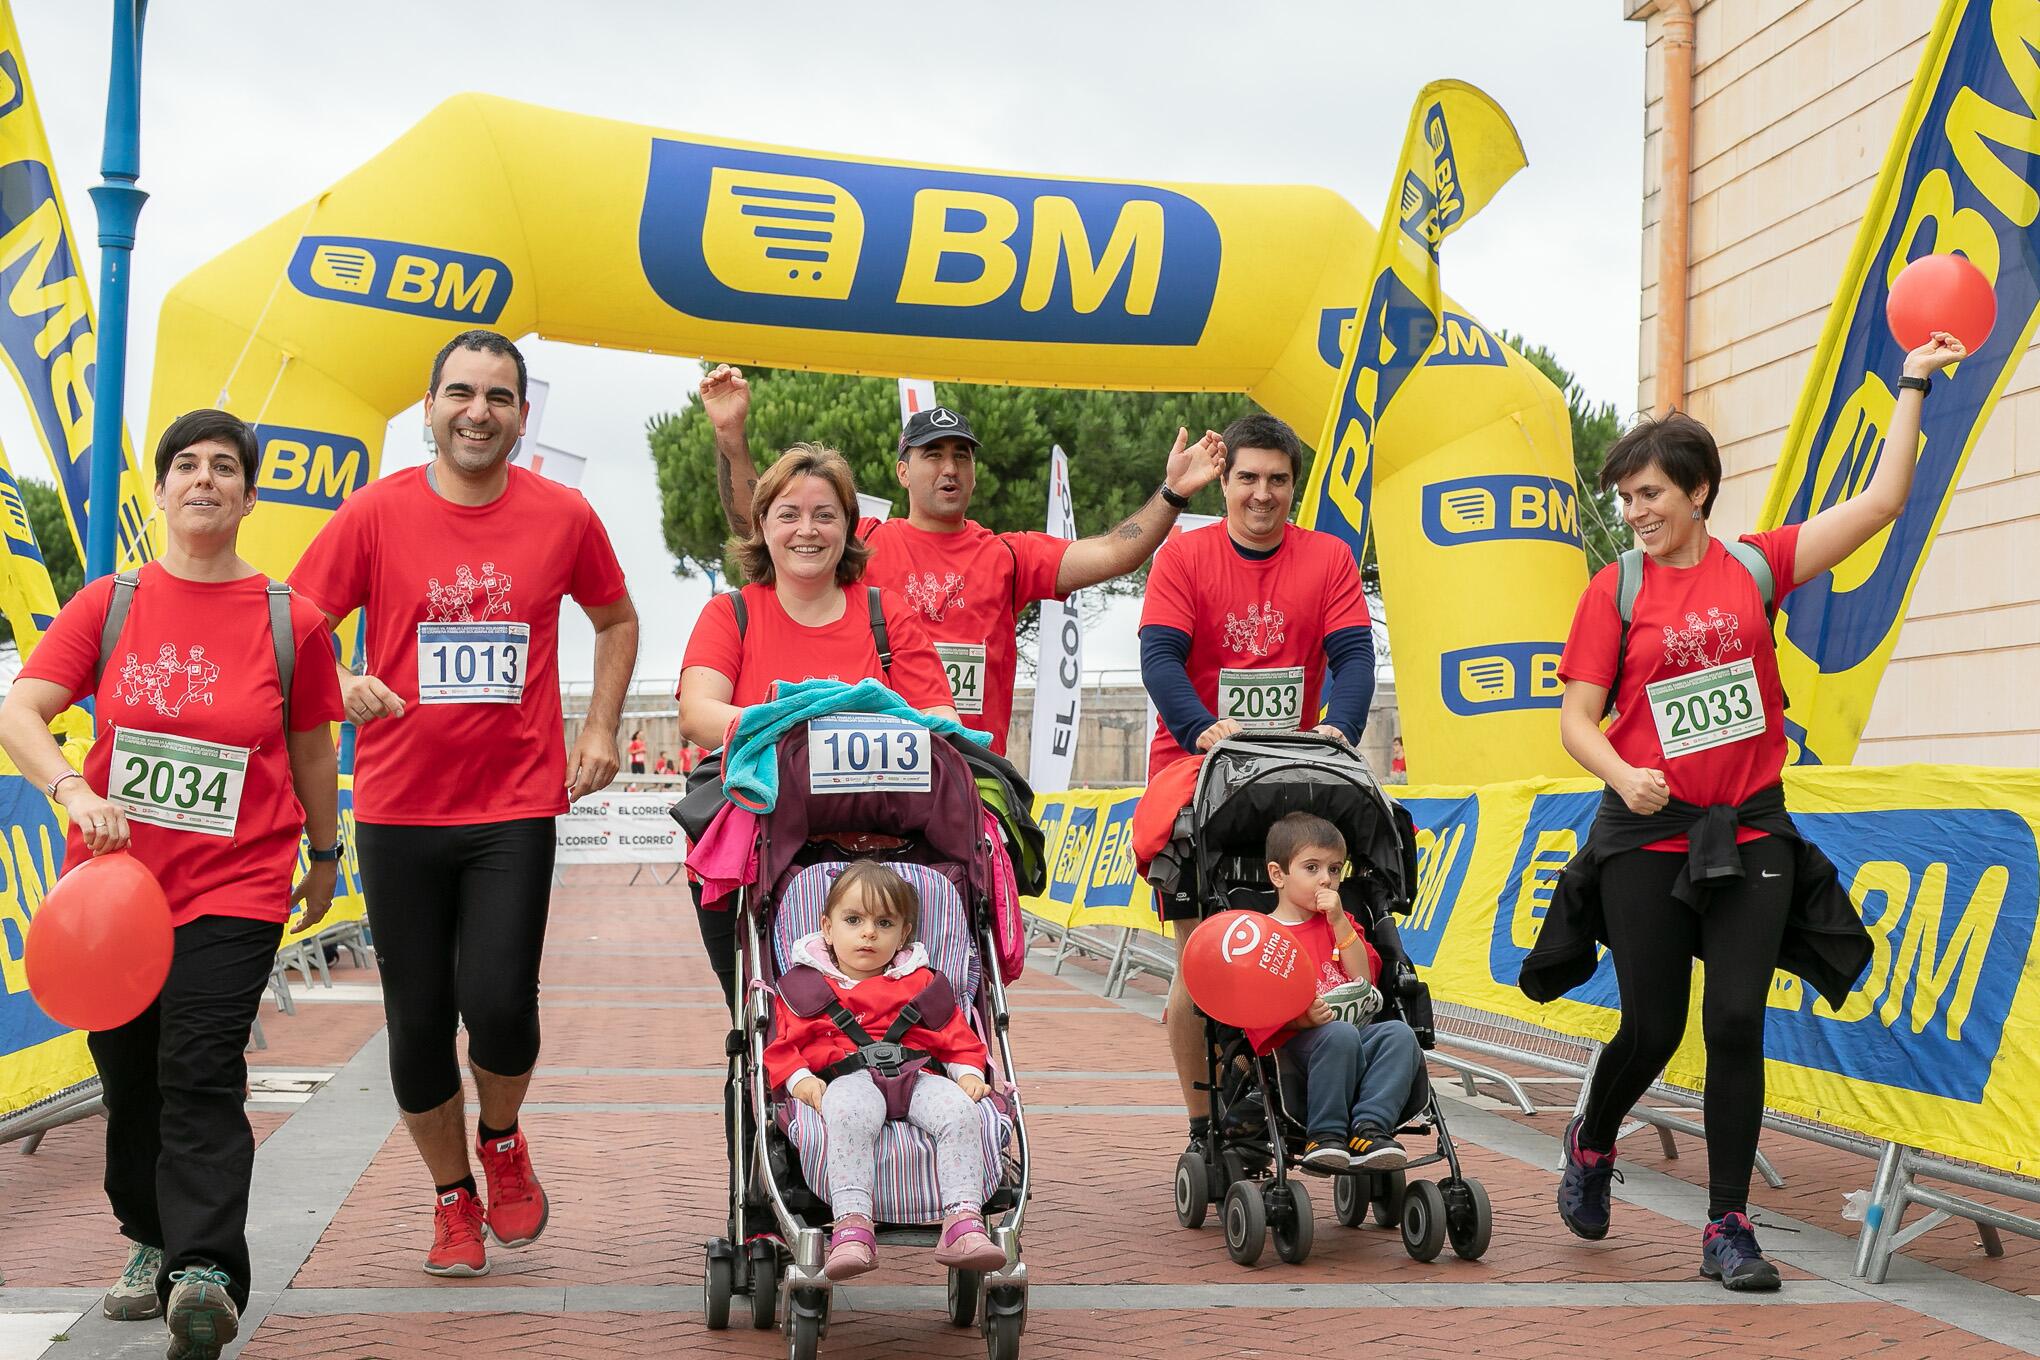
(937, 422)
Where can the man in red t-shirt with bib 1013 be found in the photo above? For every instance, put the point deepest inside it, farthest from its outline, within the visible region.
(968, 584)
(459, 568)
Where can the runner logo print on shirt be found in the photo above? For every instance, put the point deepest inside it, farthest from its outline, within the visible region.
(1259, 633)
(1703, 642)
(462, 657)
(168, 684)
(933, 597)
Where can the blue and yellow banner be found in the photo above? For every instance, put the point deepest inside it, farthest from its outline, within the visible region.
(1091, 881)
(1938, 1046)
(1452, 452)
(39, 1058)
(27, 596)
(1958, 178)
(47, 338)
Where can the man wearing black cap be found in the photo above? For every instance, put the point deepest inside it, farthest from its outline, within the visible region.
(969, 584)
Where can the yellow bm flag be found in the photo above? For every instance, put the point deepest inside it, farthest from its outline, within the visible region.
(1442, 444)
(1958, 178)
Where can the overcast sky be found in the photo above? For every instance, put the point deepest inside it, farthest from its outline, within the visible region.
(251, 107)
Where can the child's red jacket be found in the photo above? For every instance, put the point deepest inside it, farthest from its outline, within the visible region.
(801, 1048)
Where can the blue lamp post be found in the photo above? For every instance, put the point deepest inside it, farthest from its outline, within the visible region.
(119, 204)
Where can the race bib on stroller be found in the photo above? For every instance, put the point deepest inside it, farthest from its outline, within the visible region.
(1354, 1002)
(866, 752)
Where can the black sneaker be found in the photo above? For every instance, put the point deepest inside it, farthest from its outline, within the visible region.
(1373, 1150)
(1584, 1190)
(1323, 1154)
(1200, 1129)
(1729, 1253)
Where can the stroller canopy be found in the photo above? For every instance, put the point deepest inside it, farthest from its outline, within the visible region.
(1250, 781)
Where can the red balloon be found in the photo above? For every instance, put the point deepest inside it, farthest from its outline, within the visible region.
(1941, 293)
(1247, 970)
(99, 946)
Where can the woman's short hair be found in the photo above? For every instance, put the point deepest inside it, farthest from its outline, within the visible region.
(883, 889)
(802, 460)
(1679, 444)
(201, 427)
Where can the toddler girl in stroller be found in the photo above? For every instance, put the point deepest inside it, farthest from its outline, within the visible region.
(863, 975)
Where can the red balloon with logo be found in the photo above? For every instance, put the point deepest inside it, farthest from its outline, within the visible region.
(1247, 970)
(1941, 293)
(99, 946)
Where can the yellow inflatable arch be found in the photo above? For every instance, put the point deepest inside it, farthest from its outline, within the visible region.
(489, 212)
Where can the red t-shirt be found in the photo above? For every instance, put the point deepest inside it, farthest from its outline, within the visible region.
(1689, 619)
(195, 660)
(969, 588)
(1315, 935)
(774, 647)
(1257, 626)
(487, 581)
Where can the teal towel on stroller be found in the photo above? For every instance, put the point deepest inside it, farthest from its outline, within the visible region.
(751, 764)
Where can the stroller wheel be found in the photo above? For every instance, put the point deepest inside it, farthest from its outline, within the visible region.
(1423, 1221)
(1005, 1320)
(1389, 1191)
(1193, 1190)
(963, 1295)
(718, 1283)
(1292, 1226)
(1349, 1198)
(764, 1284)
(1469, 1219)
(807, 1318)
(1246, 1222)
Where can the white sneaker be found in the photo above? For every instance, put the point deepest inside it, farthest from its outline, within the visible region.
(134, 1298)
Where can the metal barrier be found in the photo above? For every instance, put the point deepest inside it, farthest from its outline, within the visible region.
(1895, 1190)
(68, 1106)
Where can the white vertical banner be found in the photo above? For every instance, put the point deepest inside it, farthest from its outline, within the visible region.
(1059, 662)
(916, 394)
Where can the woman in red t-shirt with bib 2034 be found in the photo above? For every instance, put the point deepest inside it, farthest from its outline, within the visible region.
(1697, 734)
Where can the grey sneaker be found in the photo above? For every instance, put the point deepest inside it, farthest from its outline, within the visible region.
(202, 1315)
(134, 1298)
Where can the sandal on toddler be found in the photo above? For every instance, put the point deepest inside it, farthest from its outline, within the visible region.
(853, 1248)
(965, 1245)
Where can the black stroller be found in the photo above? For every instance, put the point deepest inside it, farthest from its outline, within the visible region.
(934, 836)
(1248, 1159)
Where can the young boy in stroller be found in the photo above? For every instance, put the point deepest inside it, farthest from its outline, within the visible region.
(1361, 1075)
(1339, 1097)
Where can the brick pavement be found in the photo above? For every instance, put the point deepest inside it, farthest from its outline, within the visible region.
(629, 1022)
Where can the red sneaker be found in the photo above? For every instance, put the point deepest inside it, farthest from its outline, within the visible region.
(457, 1247)
(517, 1203)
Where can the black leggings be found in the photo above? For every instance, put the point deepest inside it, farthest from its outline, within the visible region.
(459, 919)
(1654, 940)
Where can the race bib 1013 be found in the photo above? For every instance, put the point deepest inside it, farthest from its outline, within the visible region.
(864, 752)
(472, 663)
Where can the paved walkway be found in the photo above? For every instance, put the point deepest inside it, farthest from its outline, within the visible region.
(624, 1130)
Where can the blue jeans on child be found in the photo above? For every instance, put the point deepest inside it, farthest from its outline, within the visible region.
(1356, 1078)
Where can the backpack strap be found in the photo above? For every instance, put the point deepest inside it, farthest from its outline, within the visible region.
(878, 633)
(117, 606)
(280, 639)
(1759, 567)
(1628, 585)
(743, 614)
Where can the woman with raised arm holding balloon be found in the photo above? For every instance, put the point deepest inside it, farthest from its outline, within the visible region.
(207, 768)
(1692, 854)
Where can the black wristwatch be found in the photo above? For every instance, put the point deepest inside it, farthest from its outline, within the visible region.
(328, 856)
(1907, 382)
(1175, 498)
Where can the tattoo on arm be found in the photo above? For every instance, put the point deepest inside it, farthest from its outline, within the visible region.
(725, 485)
(1130, 530)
